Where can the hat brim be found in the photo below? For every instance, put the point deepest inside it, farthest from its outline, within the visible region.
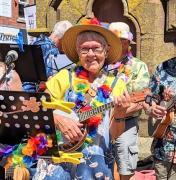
(70, 37)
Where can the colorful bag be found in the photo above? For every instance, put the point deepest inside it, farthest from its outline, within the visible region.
(144, 175)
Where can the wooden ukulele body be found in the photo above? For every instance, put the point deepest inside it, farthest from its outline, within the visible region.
(162, 126)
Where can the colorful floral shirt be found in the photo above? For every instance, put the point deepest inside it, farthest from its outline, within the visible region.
(134, 72)
(165, 76)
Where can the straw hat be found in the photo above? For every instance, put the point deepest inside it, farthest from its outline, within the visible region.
(122, 30)
(70, 37)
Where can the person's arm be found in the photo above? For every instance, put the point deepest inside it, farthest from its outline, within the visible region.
(69, 127)
(117, 124)
(156, 111)
(15, 83)
(139, 82)
(122, 102)
(56, 87)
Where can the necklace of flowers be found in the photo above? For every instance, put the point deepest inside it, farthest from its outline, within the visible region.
(25, 154)
(103, 92)
(124, 68)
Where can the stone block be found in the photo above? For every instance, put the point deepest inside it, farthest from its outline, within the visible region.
(72, 10)
(41, 12)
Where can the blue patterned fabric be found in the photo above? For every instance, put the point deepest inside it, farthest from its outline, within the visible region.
(94, 167)
(48, 171)
(49, 50)
(165, 76)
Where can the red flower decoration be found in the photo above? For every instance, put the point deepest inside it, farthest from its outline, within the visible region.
(93, 21)
(93, 121)
(106, 88)
(83, 75)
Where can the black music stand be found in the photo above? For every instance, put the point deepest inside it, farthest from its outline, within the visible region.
(21, 125)
(30, 64)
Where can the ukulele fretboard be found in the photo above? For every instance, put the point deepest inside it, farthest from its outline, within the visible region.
(90, 113)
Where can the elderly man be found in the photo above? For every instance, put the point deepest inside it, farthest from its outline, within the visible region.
(136, 76)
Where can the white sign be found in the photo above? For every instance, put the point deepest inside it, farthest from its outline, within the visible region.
(30, 19)
(8, 35)
(6, 8)
(30, 16)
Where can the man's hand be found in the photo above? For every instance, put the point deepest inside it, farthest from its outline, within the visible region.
(69, 128)
(155, 110)
(168, 94)
(122, 103)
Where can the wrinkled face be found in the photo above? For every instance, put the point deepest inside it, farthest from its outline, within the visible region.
(92, 53)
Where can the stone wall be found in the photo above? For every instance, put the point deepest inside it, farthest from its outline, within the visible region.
(46, 16)
(73, 10)
(151, 18)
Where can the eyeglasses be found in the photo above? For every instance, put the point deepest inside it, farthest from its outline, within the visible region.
(96, 51)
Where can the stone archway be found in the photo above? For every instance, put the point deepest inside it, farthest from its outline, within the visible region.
(113, 10)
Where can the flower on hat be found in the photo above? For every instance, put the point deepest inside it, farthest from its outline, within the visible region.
(89, 21)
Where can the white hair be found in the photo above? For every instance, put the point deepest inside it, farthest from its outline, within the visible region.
(61, 27)
(90, 35)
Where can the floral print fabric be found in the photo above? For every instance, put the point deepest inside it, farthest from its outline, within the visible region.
(165, 76)
(133, 71)
(50, 51)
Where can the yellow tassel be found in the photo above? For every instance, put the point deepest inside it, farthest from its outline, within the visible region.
(61, 105)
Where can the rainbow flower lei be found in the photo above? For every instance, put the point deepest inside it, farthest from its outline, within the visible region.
(81, 87)
(124, 69)
(26, 154)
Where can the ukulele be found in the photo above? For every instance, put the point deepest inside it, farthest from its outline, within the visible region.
(162, 124)
(82, 117)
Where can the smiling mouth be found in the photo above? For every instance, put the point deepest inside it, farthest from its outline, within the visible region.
(92, 62)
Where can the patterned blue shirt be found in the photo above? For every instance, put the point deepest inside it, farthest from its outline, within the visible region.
(165, 76)
(50, 52)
